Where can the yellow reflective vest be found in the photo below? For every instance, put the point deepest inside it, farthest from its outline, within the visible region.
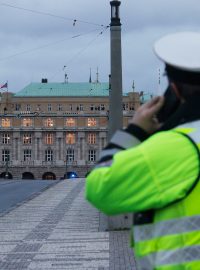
(159, 176)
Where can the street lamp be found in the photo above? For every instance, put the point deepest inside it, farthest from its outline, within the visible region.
(115, 14)
(66, 167)
(6, 175)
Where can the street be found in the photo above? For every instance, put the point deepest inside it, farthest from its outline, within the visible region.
(14, 192)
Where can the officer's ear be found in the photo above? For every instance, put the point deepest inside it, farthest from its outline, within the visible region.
(177, 91)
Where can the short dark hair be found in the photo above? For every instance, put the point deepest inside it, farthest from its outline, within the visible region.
(187, 90)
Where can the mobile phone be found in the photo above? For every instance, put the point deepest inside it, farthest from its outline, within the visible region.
(170, 106)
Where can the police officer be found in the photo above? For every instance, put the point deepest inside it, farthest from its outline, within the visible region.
(152, 167)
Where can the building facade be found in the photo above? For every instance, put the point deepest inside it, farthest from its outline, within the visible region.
(48, 129)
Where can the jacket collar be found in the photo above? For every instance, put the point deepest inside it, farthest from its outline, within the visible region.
(187, 112)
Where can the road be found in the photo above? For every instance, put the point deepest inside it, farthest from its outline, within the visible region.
(15, 192)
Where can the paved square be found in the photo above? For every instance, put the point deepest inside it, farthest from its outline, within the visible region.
(59, 229)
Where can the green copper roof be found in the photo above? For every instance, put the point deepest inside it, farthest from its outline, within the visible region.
(64, 90)
(146, 97)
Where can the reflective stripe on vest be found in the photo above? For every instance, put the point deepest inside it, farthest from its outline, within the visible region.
(124, 139)
(168, 227)
(173, 257)
(155, 244)
(109, 152)
(107, 163)
(192, 130)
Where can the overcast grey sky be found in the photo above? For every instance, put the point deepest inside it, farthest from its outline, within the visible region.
(35, 46)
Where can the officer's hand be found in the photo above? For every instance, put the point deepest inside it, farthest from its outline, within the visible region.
(145, 116)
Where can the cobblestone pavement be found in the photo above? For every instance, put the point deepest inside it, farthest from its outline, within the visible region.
(59, 230)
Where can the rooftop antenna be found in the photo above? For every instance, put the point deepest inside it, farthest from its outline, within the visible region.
(66, 77)
(90, 79)
(133, 86)
(97, 81)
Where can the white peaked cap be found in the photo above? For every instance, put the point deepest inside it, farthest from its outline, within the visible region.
(180, 50)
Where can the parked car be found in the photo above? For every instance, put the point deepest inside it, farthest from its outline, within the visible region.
(71, 175)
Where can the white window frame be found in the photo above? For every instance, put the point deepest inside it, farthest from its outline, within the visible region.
(102, 107)
(6, 138)
(5, 155)
(27, 154)
(92, 155)
(48, 155)
(27, 138)
(49, 122)
(49, 138)
(70, 155)
(92, 107)
(92, 138)
(28, 107)
(60, 107)
(49, 107)
(17, 107)
(91, 122)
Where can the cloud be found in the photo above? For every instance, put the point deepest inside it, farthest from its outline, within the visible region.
(142, 23)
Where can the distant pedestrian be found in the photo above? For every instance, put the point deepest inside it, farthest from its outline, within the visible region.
(152, 167)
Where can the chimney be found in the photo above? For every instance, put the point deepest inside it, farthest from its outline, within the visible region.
(44, 80)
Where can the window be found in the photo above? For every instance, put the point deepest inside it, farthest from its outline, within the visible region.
(5, 122)
(5, 138)
(28, 107)
(92, 107)
(49, 122)
(132, 107)
(91, 122)
(102, 107)
(59, 107)
(17, 107)
(49, 138)
(27, 122)
(27, 154)
(70, 107)
(91, 138)
(70, 154)
(48, 155)
(5, 155)
(70, 138)
(92, 155)
(38, 108)
(80, 107)
(70, 122)
(27, 138)
(49, 107)
(125, 106)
